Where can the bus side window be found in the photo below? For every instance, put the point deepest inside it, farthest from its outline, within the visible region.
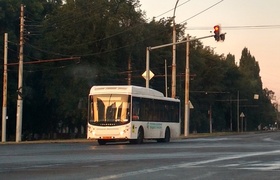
(135, 110)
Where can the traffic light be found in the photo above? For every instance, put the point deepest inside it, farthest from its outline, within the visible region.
(217, 32)
(222, 36)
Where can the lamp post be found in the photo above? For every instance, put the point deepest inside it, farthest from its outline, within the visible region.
(187, 89)
(173, 82)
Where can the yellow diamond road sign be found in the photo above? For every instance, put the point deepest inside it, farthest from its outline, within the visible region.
(145, 75)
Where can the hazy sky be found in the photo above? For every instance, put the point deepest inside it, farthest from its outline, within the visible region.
(254, 24)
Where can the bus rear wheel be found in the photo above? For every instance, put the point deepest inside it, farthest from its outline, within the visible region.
(166, 136)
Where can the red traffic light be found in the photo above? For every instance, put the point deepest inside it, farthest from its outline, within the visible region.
(217, 32)
(216, 28)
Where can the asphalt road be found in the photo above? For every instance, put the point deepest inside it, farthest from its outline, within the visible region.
(247, 156)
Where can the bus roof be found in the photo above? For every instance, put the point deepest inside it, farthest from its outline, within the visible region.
(127, 89)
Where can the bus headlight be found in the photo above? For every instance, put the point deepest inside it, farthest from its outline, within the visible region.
(122, 132)
(93, 133)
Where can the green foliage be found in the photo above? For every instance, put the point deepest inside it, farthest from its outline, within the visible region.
(107, 36)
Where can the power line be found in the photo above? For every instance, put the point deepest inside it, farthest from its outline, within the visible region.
(141, 24)
(253, 27)
(172, 9)
(51, 68)
(134, 43)
(202, 11)
(46, 61)
(121, 32)
(238, 27)
(105, 38)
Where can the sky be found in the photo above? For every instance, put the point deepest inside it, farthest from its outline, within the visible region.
(254, 24)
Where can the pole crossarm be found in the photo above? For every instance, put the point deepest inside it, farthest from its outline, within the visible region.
(150, 48)
(47, 61)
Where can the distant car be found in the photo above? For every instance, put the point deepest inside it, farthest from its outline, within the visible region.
(273, 128)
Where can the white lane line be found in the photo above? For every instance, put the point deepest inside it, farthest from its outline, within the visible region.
(29, 168)
(263, 166)
(184, 165)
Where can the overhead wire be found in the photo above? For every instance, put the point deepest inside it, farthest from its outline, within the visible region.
(52, 68)
(172, 9)
(70, 19)
(82, 15)
(210, 7)
(128, 45)
(238, 27)
(30, 20)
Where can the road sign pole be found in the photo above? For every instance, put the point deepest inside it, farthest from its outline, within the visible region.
(147, 66)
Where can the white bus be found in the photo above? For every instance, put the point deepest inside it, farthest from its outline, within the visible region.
(131, 113)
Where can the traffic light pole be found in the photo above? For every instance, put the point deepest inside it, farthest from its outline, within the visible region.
(173, 80)
(148, 49)
(187, 81)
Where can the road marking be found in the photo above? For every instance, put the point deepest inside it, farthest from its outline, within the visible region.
(263, 166)
(184, 165)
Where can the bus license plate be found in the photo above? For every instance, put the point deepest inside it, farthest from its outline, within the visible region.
(107, 137)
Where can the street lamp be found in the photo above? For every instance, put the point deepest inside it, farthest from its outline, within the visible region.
(173, 82)
(187, 89)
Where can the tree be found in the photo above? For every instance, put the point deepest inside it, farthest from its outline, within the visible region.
(251, 84)
(110, 38)
(35, 10)
(104, 34)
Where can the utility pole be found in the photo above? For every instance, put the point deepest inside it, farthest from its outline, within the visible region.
(5, 79)
(129, 70)
(237, 116)
(230, 114)
(165, 69)
(187, 88)
(20, 78)
(210, 119)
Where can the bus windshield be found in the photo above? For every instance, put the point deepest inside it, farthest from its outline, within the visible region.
(109, 109)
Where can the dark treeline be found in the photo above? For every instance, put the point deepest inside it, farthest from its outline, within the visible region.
(110, 38)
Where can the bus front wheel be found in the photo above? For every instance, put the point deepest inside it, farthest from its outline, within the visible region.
(140, 137)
